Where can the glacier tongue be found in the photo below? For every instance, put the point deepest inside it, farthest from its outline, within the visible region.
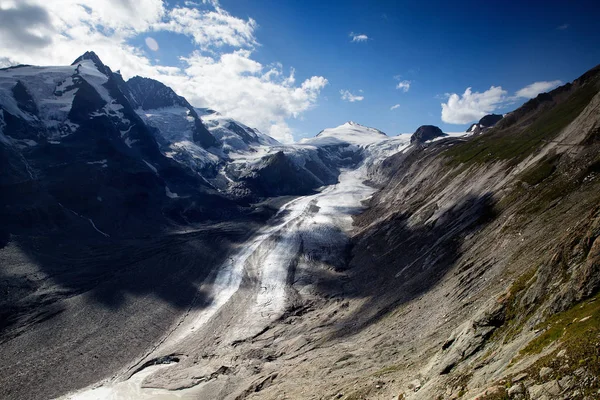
(251, 290)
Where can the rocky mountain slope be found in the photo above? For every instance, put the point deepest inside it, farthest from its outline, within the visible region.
(154, 161)
(76, 147)
(474, 269)
(511, 216)
(148, 246)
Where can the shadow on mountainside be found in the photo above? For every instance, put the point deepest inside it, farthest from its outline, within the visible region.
(73, 313)
(168, 267)
(394, 261)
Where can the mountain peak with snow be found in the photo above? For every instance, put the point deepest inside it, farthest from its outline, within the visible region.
(151, 94)
(95, 60)
(88, 55)
(356, 125)
(349, 132)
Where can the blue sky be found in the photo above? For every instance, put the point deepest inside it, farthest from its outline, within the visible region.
(439, 46)
(291, 68)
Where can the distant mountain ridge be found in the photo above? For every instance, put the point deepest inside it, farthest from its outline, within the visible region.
(145, 145)
(353, 132)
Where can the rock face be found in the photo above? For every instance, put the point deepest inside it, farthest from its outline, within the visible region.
(277, 175)
(490, 120)
(233, 136)
(78, 148)
(149, 94)
(484, 123)
(425, 133)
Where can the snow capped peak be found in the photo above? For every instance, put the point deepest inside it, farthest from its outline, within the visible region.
(353, 127)
(350, 132)
(233, 135)
(357, 125)
(151, 94)
(89, 55)
(90, 64)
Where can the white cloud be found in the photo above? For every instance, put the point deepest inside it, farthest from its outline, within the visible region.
(394, 106)
(24, 25)
(210, 28)
(244, 89)
(151, 43)
(404, 86)
(347, 96)
(471, 106)
(530, 91)
(358, 37)
(230, 80)
(563, 27)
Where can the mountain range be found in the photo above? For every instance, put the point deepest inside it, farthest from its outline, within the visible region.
(147, 245)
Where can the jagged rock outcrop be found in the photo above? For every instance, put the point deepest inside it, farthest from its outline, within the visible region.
(484, 123)
(425, 133)
(275, 175)
(149, 94)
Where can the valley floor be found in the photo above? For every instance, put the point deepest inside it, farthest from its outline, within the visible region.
(273, 273)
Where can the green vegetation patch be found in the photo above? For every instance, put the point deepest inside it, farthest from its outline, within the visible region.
(514, 144)
(540, 171)
(515, 316)
(577, 331)
(575, 327)
(555, 189)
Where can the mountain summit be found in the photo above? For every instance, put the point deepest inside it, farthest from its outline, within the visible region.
(353, 133)
(484, 123)
(425, 133)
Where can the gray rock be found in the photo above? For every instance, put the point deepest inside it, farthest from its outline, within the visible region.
(567, 382)
(552, 388)
(469, 337)
(536, 392)
(546, 391)
(545, 373)
(425, 133)
(515, 390)
(415, 385)
(520, 377)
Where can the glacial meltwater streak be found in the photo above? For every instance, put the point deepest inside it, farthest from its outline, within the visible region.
(321, 219)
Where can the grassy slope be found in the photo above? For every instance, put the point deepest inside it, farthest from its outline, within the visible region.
(514, 143)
